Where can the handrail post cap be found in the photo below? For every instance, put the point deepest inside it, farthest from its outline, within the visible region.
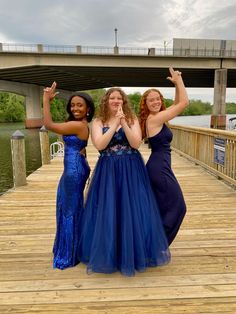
(43, 129)
(17, 135)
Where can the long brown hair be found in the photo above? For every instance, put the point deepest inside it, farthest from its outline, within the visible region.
(103, 111)
(144, 111)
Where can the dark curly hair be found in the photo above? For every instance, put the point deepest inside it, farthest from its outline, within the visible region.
(89, 102)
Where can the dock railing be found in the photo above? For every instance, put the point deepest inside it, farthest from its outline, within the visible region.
(213, 149)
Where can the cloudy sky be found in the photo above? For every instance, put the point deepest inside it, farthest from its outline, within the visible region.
(140, 23)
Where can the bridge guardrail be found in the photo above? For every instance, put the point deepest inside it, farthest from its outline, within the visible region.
(102, 50)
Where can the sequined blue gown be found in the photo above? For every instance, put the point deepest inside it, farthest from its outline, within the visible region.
(121, 229)
(70, 203)
(164, 183)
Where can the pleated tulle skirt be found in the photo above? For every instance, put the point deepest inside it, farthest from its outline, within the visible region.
(120, 226)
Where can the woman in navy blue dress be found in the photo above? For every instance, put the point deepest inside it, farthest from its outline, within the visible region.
(69, 204)
(153, 119)
(121, 229)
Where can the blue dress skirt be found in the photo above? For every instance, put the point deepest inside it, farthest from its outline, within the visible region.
(70, 203)
(121, 228)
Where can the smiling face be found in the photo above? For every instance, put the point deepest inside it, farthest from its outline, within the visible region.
(114, 101)
(154, 102)
(78, 107)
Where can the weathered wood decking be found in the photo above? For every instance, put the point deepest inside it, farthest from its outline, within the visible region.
(201, 277)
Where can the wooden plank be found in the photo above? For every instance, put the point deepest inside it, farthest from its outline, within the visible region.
(122, 294)
(120, 282)
(193, 306)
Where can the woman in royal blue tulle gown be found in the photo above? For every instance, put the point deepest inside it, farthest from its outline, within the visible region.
(121, 229)
(75, 133)
(153, 118)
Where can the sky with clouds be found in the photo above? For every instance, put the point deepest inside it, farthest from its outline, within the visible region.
(139, 23)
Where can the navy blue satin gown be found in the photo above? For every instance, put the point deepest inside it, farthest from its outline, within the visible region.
(121, 229)
(164, 183)
(70, 203)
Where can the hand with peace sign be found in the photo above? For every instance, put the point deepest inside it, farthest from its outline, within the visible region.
(49, 93)
(175, 76)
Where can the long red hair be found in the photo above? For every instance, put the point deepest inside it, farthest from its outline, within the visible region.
(144, 111)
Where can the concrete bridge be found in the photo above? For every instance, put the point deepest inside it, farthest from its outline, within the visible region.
(25, 69)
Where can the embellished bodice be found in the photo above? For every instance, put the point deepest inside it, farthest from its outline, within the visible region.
(118, 145)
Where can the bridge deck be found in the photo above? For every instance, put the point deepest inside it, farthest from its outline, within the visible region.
(201, 277)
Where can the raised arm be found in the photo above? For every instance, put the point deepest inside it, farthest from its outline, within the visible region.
(176, 99)
(66, 128)
(180, 103)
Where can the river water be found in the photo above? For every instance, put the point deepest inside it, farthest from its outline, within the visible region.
(32, 151)
(198, 121)
(32, 145)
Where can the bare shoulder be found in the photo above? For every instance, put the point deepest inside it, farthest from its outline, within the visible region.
(97, 122)
(96, 125)
(154, 120)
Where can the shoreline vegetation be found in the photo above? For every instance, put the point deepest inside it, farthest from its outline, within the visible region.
(12, 106)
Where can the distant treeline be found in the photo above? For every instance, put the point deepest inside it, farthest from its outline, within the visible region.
(12, 106)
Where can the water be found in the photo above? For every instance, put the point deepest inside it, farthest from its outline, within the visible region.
(199, 121)
(32, 151)
(32, 145)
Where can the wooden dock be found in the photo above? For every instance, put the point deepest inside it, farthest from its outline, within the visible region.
(201, 277)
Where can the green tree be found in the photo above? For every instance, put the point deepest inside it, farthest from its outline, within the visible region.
(134, 100)
(13, 109)
(168, 102)
(14, 112)
(96, 95)
(230, 108)
(58, 110)
(197, 107)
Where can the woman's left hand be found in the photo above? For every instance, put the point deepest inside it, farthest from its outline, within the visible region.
(175, 75)
(50, 92)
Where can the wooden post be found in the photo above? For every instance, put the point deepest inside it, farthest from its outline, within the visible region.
(44, 145)
(18, 158)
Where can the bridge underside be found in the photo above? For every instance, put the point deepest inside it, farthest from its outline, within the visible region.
(74, 78)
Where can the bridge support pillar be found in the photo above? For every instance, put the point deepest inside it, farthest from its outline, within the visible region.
(218, 117)
(33, 108)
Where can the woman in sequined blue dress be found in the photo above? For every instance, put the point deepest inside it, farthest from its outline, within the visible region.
(69, 204)
(153, 119)
(121, 229)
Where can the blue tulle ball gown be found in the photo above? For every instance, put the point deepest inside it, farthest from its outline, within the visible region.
(70, 203)
(121, 229)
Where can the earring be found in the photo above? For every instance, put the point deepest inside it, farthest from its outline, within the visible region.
(87, 114)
